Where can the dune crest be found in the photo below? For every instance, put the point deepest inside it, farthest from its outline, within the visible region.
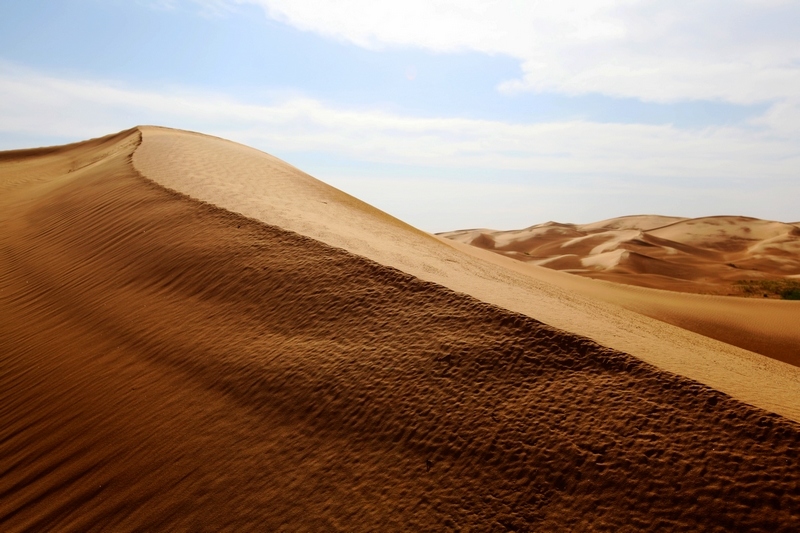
(168, 364)
(260, 186)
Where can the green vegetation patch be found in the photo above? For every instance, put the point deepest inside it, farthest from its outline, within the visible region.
(788, 289)
(791, 294)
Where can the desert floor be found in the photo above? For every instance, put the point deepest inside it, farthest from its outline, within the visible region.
(195, 335)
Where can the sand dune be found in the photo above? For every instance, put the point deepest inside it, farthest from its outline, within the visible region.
(197, 336)
(259, 186)
(641, 253)
(702, 255)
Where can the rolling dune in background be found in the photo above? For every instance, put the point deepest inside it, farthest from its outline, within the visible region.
(677, 256)
(313, 364)
(701, 255)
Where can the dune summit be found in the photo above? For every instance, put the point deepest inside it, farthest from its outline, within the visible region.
(197, 336)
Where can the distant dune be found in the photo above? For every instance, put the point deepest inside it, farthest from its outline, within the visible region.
(195, 335)
(702, 255)
(714, 255)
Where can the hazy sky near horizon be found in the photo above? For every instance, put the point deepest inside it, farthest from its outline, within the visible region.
(447, 114)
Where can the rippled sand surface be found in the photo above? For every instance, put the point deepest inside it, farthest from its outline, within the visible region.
(172, 362)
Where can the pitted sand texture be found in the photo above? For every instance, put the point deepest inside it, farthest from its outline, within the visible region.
(244, 180)
(709, 256)
(170, 365)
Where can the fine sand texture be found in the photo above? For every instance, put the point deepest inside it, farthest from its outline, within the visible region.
(642, 253)
(259, 186)
(170, 365)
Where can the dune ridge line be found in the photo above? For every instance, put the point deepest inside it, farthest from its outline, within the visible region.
(260, 186)
(169, 364)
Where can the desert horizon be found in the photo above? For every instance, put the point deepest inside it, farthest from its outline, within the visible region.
(399, 266)
(196, 335)
(717, 254)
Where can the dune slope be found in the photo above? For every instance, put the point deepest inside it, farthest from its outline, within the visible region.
(170, 365)
(677, 257)
(259, 186)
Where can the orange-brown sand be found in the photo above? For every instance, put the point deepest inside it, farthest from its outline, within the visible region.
(677, 256)
(168, 364)
(262, 187)
(702, 255)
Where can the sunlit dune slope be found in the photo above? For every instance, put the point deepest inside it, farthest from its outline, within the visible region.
(700, 255)
(250, 182)
(703, 255)
(168, 364)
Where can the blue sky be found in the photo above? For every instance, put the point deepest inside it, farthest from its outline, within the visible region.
(446, 114)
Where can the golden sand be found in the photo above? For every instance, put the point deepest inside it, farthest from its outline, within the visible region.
(197, 336)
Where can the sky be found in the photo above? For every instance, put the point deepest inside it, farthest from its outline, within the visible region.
(448, 114)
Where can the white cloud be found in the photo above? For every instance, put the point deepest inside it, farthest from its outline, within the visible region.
(603, 159)
(31, 102)
(740, 51)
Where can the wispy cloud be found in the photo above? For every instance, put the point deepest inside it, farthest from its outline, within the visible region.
(609, 160)
(33, 102)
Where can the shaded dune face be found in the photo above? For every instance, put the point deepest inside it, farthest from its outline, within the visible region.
(169, 365)
(262, 187)
(703, 255)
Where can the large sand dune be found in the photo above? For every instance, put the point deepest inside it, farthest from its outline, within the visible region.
(197, 336)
